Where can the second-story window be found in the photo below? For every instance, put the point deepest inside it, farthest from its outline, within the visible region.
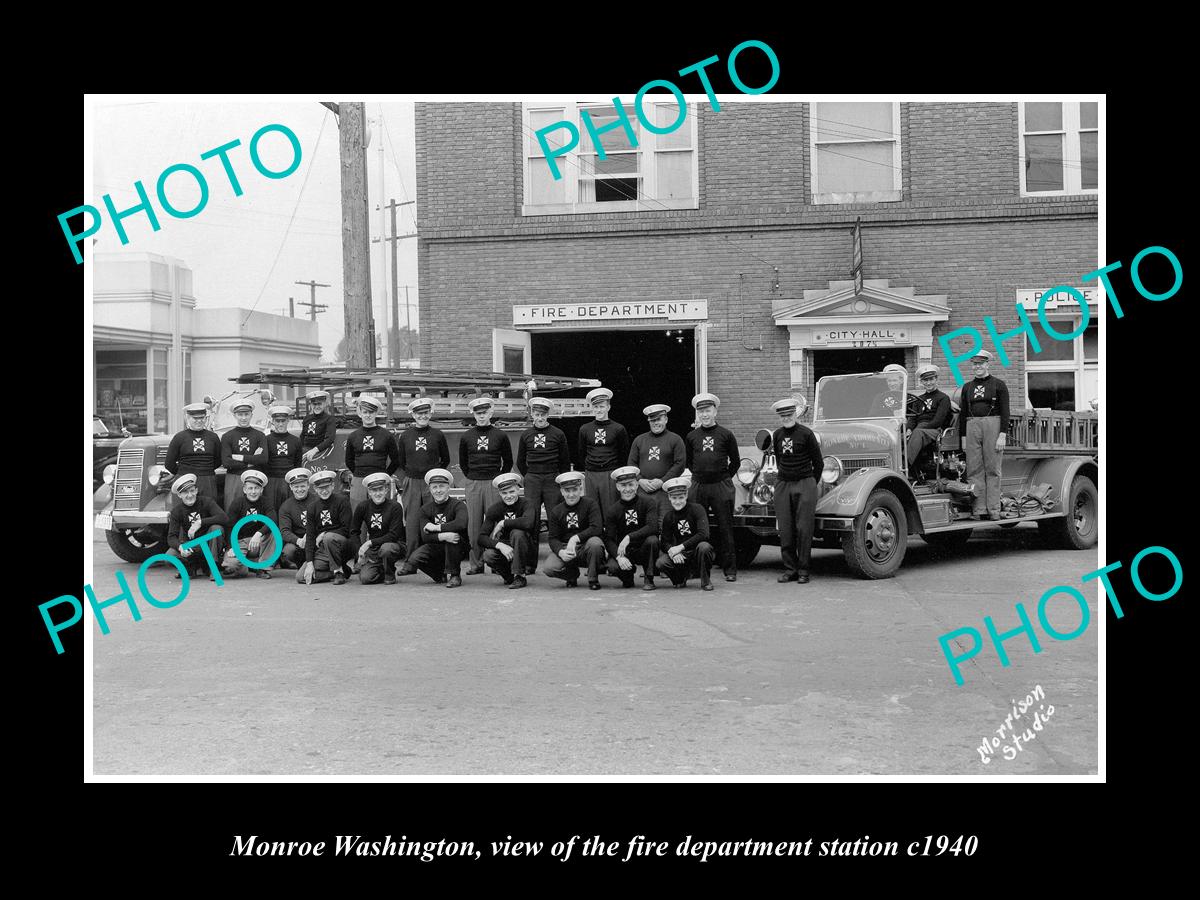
(1059, 148)
(640, 170)
(855, 151)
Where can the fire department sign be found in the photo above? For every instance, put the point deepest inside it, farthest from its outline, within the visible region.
(550, 314)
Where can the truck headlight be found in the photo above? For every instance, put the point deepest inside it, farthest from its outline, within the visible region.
(156, 474)
(832, 473)
(747, 471)
(110, 472)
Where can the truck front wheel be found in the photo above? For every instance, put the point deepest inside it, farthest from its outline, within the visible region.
(1080, 528)
(875, 548)
(136, 545)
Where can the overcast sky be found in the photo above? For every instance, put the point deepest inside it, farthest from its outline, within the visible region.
(231, 244)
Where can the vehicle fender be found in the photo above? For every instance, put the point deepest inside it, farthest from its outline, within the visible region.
(1060, 471)
(849, 498)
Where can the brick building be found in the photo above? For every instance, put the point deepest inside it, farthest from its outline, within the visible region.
(718, 257)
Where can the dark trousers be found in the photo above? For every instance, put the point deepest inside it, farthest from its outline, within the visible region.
(718, 498)
(196, 564)
(276, 492)
(523, 556)
(643, 552)
(700, 559)
(541, 489)
(234, 566)
(438, 559)
(660, 497)
(414, 493)
(481, 494)
(233, 489)
(333, 553)
(601, 488)
(795, 515)
(590, 554)
(292, 557)
(379, 560)
(918, 440)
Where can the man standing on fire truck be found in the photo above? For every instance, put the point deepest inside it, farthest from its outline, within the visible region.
(319, 427)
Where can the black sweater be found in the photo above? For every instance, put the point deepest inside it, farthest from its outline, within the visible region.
(712, 454)
(797, 453)
(603, 446)
(582, 519)
(688, 526)
(636, 518)
(521, 516)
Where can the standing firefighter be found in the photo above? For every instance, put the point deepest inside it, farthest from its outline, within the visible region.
(483, 453)
(507, 539)
(319, 427)
(542, 455)
(798, 455)
(369, 449)
(243, 447)
(283, 455)
(631, 531)
(443, 534)
(195, 451)
(327, 538)
(660, 454)
(983, 429)
(421, 448)
(375, 532)
(685, 538)
(603, 446)
(714, 458)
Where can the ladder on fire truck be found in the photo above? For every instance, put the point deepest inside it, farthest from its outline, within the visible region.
(450, 390)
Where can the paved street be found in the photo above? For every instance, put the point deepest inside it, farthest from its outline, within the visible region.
(839, 676)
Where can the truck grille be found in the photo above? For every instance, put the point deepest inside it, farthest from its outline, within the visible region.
(127, 486)
(854, 463)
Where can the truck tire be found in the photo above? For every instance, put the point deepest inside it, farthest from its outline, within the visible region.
(947, 541)
(746, 545)
(137, 545)
(1079, 529)
(875, 548)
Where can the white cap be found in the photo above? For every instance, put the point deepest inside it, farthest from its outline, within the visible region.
(376, 478)
(368, 401)
(675, 485)
(279, 410)
(196, 409)
(569, 478)
(982, 353)
(480, 403)
(420, 403)
(541, 402)
(255, 476)
(318, 395)
(242, 404)
(442, 475)
(655, 409)
(898, 369)
(600, 393)
(506, 479)
(625, 472)
(705, 400)
(321, 476)
(298, 474)
(799, 404)
(182, 482)
(927, 369)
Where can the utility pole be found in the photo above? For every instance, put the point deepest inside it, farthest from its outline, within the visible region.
(291, 308)
(313, 305)
(356, 236)
(394, 336)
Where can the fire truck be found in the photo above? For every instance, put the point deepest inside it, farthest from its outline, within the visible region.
(870, 504)
(135, 518)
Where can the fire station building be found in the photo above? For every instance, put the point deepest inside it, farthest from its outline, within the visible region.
(720, 257)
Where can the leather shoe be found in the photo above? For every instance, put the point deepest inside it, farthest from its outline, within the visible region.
(339, 577)
(389, 578)
(731, 577)
(593, 585)
(405, 569)
(572, 583)
(802, 578)
(648, 584)
(518, 582)
(474, 570)
(707, 586)
(454, 581)
(788, 576)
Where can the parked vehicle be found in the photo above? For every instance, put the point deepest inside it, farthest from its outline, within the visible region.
(135, 519)
(869, 504)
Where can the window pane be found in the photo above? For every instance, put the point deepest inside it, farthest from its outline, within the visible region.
(674, 176)
(1089, 390)
(1043, 117)
(1089, 116)
(614, 140)
(616, 164)
(854, 167)
(542, 186)
(1052, 349)
(539, 119)
(1053, 390)
(1087, 162)
(514, 360)
(1043, 162)
(615, 189)
(665, 115)
(852, 122)
(1091, 342)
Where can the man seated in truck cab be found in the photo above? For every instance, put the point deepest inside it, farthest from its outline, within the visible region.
(929, 414)
(891, 401)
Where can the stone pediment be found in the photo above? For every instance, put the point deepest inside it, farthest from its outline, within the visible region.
(877, 301)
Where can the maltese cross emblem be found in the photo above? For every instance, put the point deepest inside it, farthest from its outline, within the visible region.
(685, 527)
(243, 443)
(369, 443)
(326, 517)
(439, 519)
(422, 444)
(889, 402)
(928, 405)
(539, 442)
(978, 395)
(304, 517)
(193, 519)
(709, 444)
(655, 453)
(572, 520)
(631, 517)
(197, 445)
(481, 443)
(601, 437)
(312, 427)
(281, 448)
(786, 445)
(510, 515)
(376, 521)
